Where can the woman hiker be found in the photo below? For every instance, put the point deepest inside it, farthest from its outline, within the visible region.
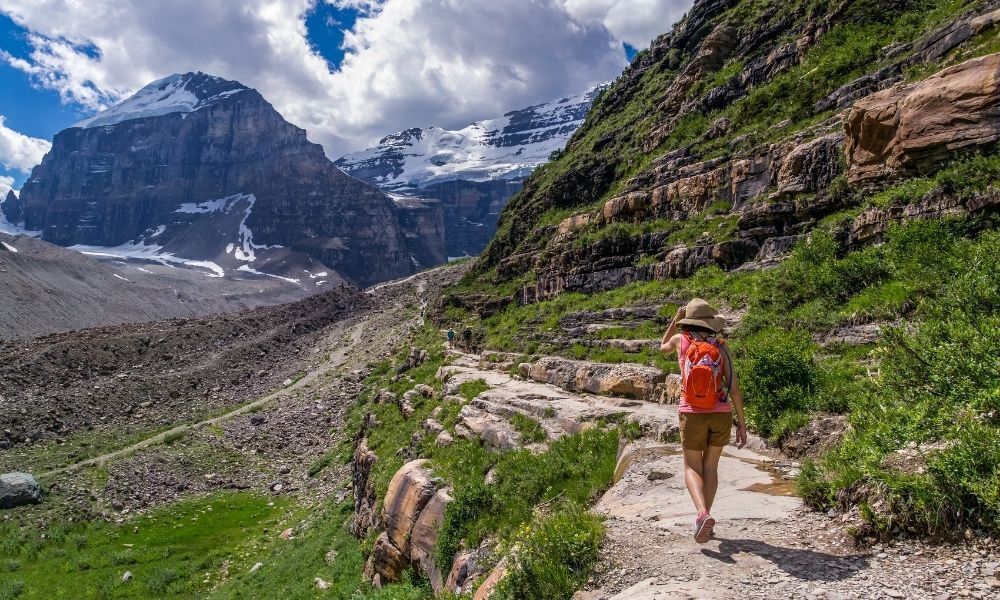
(709, 393)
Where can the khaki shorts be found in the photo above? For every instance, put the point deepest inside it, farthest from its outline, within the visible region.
(699, 430)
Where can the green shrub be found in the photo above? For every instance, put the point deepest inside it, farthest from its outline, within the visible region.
(908, 192)
(966, 175)
(936, 390)
(777, 375)
(576, 468)
(159, 580)
(469, 504)
(173, 436)
(550, 559)
(11, 589)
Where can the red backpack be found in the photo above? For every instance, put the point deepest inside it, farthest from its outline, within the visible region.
(702, 376)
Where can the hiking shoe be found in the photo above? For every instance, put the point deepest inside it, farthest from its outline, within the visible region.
(703, 526)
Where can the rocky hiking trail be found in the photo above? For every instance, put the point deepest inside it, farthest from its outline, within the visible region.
(766, 544)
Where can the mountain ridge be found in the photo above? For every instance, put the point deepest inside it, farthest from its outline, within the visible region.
(474, 170)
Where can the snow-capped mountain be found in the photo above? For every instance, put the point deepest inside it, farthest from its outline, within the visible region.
(175, 93)
(203, 172)
(508, 147)
(473, 171)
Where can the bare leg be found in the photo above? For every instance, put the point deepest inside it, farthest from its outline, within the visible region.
(710, 474)
(693, 465)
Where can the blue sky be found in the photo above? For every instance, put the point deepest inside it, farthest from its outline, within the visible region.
(348, 71)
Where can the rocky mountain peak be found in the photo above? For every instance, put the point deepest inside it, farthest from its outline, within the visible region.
(177, 93)
(474, 170)
(202, 171)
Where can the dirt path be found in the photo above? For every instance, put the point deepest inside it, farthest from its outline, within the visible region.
(383, 322)
(337, 358)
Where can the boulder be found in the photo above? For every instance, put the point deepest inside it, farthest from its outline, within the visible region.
(384, 396)
(635, 381)
(444, 439)
(573, 224)
(464, 571)
(775, 248)
(496, 433)
(424, 537)
(19, 489)
(409, 492)
(386, 562)
(911, 128)
(672, 390)
(490, 583)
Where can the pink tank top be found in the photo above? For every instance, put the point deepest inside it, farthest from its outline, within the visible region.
(721, 406)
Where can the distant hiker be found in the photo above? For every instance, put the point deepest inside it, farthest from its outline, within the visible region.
(451, 337)
(709, 393)
(467, 339)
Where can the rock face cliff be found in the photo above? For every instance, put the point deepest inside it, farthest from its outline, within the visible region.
(472, 171)
(205, 169)
(743, 128)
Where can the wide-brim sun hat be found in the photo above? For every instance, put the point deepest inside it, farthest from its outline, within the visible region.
(700, 313)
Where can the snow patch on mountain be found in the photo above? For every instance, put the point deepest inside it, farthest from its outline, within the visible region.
(151, 252)
(508, 147)
(212, 206)
(177, 93)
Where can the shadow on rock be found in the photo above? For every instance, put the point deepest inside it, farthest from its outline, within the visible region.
(800, 563)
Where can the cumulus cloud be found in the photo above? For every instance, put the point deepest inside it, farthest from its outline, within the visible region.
(635, 22)
(19, 151)
(6, 181)
(408, 62)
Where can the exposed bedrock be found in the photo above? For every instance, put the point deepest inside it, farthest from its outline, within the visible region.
(911, 129)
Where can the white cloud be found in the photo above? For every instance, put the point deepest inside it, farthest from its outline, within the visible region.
(18, 151)
(409, 62)
(6, 181)
(635, 22)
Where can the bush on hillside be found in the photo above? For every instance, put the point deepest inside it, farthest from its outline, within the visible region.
(923, 451)
(550, 559)
(777, 375)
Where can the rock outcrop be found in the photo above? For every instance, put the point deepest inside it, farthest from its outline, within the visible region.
(912, 128)
(19, 489)
(413, 511)
(365, 517)
(622, 379)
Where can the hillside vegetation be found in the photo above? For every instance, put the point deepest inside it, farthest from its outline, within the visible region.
(645, 208)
